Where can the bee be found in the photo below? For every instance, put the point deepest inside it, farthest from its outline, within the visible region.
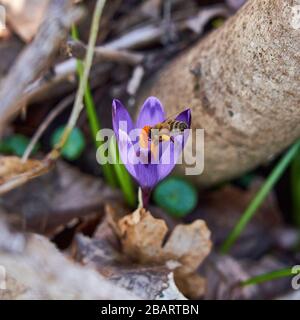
(162, 131)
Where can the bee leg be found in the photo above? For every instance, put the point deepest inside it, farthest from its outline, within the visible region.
(165, 137)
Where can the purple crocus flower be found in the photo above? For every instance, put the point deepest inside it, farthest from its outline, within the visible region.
(146, 159)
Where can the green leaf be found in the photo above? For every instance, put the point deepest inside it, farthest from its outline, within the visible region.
(94, 121)
(74, 146)
(123, 176)
(269, 276)
(177, 196)
(16, 144)
(295, 181)
(260, 196)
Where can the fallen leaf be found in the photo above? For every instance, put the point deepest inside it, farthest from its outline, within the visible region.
(103, 252)
(13, 166)
(10, 241)
(40, 271)
(57, 197)
(224, 274)
(222, 208)
(269, 289)
(142, 238)
(25, 16)
(192, 285)
(189, 244)
(14, 172)
(292, 295)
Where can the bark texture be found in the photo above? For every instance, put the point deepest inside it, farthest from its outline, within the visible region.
(243, 85)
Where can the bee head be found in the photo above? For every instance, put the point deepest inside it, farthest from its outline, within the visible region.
(183, 126)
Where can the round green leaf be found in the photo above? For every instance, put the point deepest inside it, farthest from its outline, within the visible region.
(16, 144)
(73, 147)
(177, 196)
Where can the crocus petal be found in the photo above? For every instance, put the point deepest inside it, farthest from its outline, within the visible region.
(185, 116)
(152, 112)
(147, 175)
(127, 152)
(120, 116)
(170, 156)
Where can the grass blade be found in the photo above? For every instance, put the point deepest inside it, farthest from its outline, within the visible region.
(260, 196)
(295, 186)
(94, 122)
(78, 104)
(273, 275)
(117, 173)
(124, 178)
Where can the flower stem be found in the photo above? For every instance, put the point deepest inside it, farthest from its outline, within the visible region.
(140, 198)
(146, 194)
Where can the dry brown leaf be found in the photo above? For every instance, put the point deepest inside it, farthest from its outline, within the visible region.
(14, 172)
(222, 208)
(273, 288)
(142, 238)
(224, 274)
(102, 252)
(192, 285)
(14, 289)
(189, 244)
(56, 198)
(40, 271)
(25, 16)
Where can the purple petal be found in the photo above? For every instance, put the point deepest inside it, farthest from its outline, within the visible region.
(171, 155)
(152, 112)
(185, 116)
(124, 145)
(147, 175)
(120, 116)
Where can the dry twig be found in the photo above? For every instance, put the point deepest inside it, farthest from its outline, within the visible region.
(37, 57)
(42, 128)
(77, 49)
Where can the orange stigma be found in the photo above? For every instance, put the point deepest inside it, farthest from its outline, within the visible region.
(144, 136)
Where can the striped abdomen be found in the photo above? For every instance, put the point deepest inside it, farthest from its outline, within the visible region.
(176, 125)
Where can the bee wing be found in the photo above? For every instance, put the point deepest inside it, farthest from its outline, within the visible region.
(173, 116)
